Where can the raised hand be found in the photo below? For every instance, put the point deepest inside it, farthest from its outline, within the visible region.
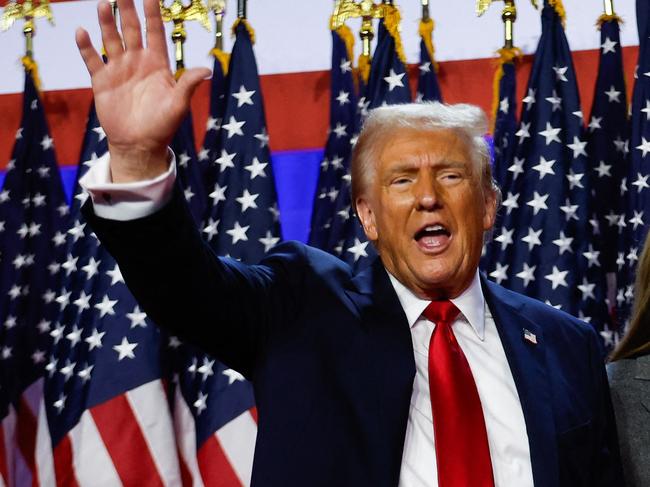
(139, 104)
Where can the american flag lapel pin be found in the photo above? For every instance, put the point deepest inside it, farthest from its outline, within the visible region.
(530, 337)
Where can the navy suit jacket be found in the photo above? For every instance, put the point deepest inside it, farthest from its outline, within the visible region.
(331, 360)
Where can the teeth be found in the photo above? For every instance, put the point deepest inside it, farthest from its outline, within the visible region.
(434, 228)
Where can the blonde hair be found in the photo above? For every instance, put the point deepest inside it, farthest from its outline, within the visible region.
(637, 338)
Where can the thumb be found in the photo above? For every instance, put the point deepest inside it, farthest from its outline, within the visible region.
(188, 83)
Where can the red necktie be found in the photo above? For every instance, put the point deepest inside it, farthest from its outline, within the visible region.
(462, 450)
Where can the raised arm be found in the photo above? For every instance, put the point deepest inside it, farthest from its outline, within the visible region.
(139, 103)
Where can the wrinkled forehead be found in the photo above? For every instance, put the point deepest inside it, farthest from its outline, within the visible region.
(415, 147)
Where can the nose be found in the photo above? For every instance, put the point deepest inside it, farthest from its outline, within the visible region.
(427, 194)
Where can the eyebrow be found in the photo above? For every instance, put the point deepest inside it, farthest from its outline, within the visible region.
(406, 165)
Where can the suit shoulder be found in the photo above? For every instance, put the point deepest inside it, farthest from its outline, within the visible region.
(295, 253)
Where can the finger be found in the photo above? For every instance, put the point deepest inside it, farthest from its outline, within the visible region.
(131, 30)
(155, 30)
(188, 83)
(110, 37)
(90, 56)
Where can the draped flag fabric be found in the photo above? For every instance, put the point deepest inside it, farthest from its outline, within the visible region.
(607, 137)
(214, 406)
(242, 220)
(428, 87)
(210, 149)
(547, 249)
(505, 116)
(387, 85)
(388, 82)
(636, 184)
(333, 180)
(504, 138)
(191, 173)
(105, 397)
(33, 217)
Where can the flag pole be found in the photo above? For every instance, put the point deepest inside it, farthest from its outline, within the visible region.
(609, 7)
(179, 14)
(366, 34)
(218, 7)
(509, 16)
(508, 53)
(241, 9)
(426, 30)
(28, 31)
(368, 11)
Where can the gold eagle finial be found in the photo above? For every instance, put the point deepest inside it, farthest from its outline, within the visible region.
(179, 13)
(483, 5)
(27, 10)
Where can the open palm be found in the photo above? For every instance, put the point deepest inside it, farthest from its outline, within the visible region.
(139, 103)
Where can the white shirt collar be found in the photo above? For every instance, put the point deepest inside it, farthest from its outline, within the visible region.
(470, 302)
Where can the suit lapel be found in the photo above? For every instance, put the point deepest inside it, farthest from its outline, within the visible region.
(383, 318)
(527, 362)
(391, 349)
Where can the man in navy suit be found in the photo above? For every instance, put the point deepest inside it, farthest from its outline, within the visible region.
(415, 372)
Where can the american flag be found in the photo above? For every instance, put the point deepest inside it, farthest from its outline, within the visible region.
(205, 432)
(243, 216)
(505, 115)
(636, 182)
(190, 172)
(607, 147)
(428, 87)
(209, 151)
(214, 406)
(33, 217)
(105, 394)
(546, 246)
(387, 84)
(334, 181)
(503, 135)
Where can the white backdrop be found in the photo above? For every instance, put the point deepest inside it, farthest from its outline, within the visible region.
(293, 36)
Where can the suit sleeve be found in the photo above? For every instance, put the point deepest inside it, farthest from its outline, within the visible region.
(226, 308)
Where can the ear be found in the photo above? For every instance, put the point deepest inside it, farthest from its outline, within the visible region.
(490, 209)
(367, 218)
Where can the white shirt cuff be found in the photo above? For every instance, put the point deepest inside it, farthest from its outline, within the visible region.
(127, 201)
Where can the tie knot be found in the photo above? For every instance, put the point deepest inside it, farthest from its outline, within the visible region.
(441, 312)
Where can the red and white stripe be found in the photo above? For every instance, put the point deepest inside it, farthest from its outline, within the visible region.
(225, 459)
(128, 440)
(18, 433)
(186, 440)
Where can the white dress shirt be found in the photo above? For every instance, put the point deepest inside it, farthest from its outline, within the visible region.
(127, 201)
(474, 329)
(477, 335)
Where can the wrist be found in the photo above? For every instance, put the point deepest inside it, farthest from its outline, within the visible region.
(134, 164)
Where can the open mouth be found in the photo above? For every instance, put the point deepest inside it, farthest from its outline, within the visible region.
(433, 237)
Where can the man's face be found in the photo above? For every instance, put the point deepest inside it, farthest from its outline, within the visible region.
(426, 210)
